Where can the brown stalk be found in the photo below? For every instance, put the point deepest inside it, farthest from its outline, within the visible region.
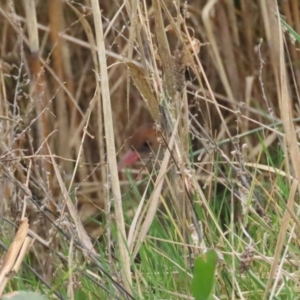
(56, 21)
(38, 86)
(230, 58)
(206, 16)
(249, 22)
(271, 30)
(288, 13)
(296, 14)
(14, 255)
(132, 37)
(164, 51)
(110, 148)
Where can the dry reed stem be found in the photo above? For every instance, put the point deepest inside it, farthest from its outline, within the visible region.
(206, 16)
(164, 52)
(11, 261)
(132, 37)
(110, 148)
(292, 50)
(70, 275)
(268, 7)
(230, 60)
(150, 50)
(56, 21)
(286, 112)
(38, 83)
(26, 184)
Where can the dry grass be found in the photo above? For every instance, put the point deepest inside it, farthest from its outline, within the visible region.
(219, 78)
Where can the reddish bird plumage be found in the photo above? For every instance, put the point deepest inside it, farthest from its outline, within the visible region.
(142, 143)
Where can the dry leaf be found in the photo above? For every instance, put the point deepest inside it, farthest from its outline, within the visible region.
(142, 84)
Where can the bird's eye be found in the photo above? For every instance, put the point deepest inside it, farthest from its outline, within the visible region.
(146, 146)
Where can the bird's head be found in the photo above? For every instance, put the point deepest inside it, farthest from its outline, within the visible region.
(142, 143)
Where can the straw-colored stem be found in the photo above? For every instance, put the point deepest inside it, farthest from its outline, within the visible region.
(110, 147)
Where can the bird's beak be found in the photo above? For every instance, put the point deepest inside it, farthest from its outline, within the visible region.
(128, 159)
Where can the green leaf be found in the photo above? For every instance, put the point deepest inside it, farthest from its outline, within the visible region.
(204, 275)
(22, 295)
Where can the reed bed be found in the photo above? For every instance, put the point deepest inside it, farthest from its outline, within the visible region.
(218, 79)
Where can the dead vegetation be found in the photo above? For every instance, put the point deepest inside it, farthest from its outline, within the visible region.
(220, 81)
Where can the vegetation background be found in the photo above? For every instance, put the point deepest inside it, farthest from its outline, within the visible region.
(224, 75)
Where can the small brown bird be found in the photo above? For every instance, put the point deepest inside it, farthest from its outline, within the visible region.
(142, 143)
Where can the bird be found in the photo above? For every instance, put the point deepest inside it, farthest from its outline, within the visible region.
(142, 144)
